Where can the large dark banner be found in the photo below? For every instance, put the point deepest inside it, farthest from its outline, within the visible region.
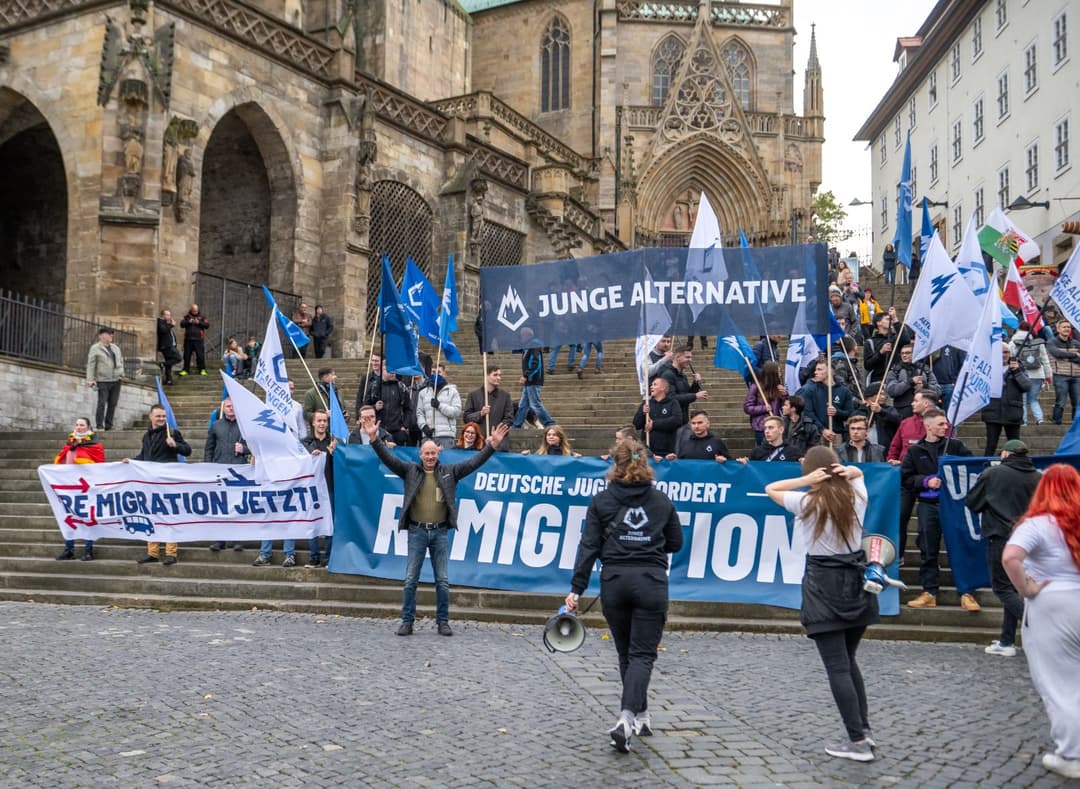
(750, 291)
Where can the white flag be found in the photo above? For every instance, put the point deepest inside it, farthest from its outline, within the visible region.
(271, 375)
(653, 324)
(982, 375)
(942, 305)
(705, 258)
(970, 264)
(1028, 249)
(802, 349)
(1066, 291)
(267, 434)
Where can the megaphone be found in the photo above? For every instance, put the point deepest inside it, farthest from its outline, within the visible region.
(563, 632)
(880, 552)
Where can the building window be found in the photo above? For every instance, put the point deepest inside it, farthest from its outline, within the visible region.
(933, 164)
(884, 211)
(738, 67)
(666, 59)
(911, 113)
(977, 123)
(954, 61)
(884, 154)
(931, 89)
(976, 38)
(1003, 96)
(1061, 144)
(1031, 69)
(957, 141)
(979, 207)
(555, 67)
(1060, 41)
(957, 224)
(1003, 186)
(1031, 168)
(1001, 13)
(898, 138)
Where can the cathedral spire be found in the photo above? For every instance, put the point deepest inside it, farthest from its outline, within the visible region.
(813, 94)
(812, 63)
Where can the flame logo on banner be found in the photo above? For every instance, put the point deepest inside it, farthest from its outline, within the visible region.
(512, 312)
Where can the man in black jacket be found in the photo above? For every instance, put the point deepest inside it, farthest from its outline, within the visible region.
(1000, 496)
(194, 325)
(876, 351)
(919, 475)
(161, 444)
(773, 449)
(858, 449)
(166, 346)
(1006, 412)
(497, 408)
(906, 379)
(428, 513)
(660, 418)
(225, 444)
(684, 385)
(393, 405)
(699, 443)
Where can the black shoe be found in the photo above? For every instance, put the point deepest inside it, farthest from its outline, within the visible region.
(169, 560)
(217, 546)
(313, 563)
(148, 559)
(238, 546)
(444, 629)
(405, 629)
(88, 555)
(64, 555)
(290, 561)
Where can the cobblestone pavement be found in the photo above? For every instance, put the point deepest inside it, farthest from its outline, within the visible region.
(108, 697)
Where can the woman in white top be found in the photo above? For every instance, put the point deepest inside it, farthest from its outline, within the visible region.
(1042, 559)
(835, 609)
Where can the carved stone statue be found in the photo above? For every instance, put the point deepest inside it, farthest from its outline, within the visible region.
(185, 182)
(133, 156)
(478, 190)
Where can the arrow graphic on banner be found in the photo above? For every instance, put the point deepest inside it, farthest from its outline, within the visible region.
(71, 520)
(82, 487)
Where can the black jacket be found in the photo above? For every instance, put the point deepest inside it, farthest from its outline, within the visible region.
(690, 447)
(666, 418)
(322, 326)
(1009, 408)
(921, 462)
(874, 359)
(832, 594)
(681, 390)
(873, 453)
(446, 475)
(397, 404)
(627, 524)
(502, 411)
(194, 326)
(323, 445)
(155, 450)
(532, 366)
(775, 454)
(801, 437)
(899, 386)
(1002, 493)
(947, 366)
(221, 440)
(166, 340)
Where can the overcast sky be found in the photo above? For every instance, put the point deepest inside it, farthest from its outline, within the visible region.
(855, 41)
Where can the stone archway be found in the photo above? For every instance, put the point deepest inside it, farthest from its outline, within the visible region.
(33, 203)
(247, 214)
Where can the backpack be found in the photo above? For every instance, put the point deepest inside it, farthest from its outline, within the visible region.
(1029, 357)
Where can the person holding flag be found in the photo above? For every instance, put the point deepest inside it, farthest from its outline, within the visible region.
(438, 408)
(764, 398)
(161, 443)
(320, 442)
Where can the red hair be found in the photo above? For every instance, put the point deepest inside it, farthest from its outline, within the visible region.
(1058, 495)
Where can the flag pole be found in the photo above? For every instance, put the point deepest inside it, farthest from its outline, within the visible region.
(855, 379)
(645, 402)
(483, 385)
(757, 383)
(828, 379)
(892, 354)
(307, 369)
(367, 372)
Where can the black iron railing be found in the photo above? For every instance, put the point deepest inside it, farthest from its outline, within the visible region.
(43, 332)
(234, 309)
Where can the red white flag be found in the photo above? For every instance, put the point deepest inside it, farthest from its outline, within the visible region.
(1017, 295)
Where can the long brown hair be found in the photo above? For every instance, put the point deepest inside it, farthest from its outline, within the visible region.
(770, 383)
(830, 501)
(564, 442)
(1058, 495)
(631, 463)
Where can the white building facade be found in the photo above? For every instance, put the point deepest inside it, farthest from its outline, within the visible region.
(989, 91)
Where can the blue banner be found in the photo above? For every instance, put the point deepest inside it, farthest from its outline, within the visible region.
(520, 520)
(755, 291)
(960, 526)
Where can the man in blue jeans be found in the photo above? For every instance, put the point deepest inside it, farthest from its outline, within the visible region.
(532, 381)
(428, 513)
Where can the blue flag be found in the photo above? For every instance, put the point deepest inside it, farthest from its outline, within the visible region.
(742, 240)
(902, 239)
(170, 417)
(836, 332)
(732, 353)
(295, 333)
(400, 343)
(339, 428)
(423, 305)
(927, 230)
(448, 309)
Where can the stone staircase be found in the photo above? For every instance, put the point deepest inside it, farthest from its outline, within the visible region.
(590, 410)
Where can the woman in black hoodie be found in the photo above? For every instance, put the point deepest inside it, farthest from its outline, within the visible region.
(631, 527)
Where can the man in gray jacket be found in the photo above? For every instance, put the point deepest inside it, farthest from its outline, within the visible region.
(225, 444)
(104, 369)
(428, 513)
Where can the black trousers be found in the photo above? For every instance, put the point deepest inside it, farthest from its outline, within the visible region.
(108, 395)
(837, 650)
(197, 347)
(929, 541)
(993, 434)
(907, 506)
(320, 346)
(171, 357)
(1005, 591)
(635, 601)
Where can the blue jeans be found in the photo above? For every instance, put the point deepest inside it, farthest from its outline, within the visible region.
(599, 346)
(946, 395)
(70, 545)
(530, 398)
(266, 547)
(553, 356)
(313, 548)
(1031, 399)
(421, 541)
(1065, 386)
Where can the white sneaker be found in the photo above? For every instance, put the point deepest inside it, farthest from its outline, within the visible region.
(846, 749)
(643, 725)
(620, 735)
(996, 648)
(1057, 763)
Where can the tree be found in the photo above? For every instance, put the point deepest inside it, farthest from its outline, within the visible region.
(826, 218)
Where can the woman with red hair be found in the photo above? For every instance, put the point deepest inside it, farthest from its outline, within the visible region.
(82, 447)
(1043, 562)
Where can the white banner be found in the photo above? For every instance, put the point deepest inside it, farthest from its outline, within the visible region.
(269, 438)
(178, 502)
(942, 305)
(271, 375)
